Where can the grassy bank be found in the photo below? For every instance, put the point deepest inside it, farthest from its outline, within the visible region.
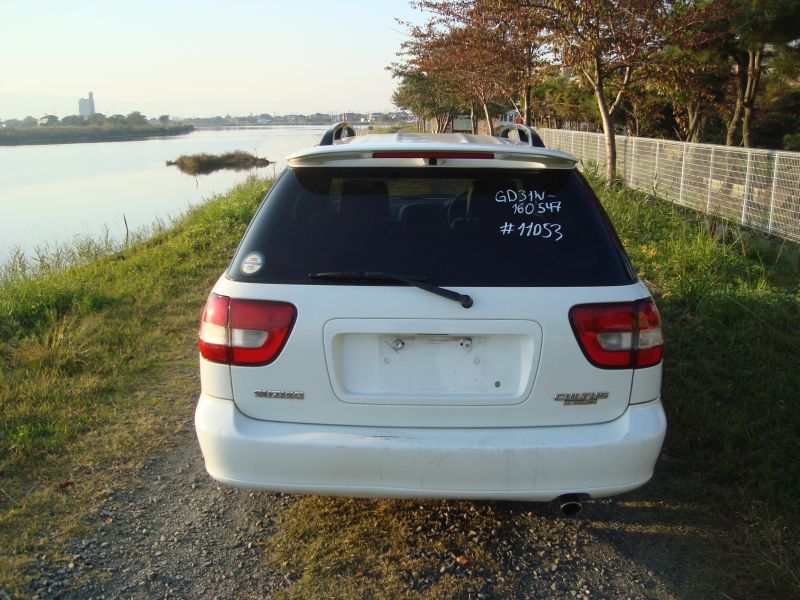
(89, 133)
(97, 368)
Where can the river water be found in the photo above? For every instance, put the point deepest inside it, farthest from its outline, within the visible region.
(51, 194)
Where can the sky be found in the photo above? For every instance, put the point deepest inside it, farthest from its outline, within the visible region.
(199, 58)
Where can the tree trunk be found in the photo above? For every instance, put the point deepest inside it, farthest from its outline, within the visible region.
(741, 84)
(489, 126)
(449, 121)
(608, 130)
(754, 56)
(697, 122)
(528, 108)
(701, 128)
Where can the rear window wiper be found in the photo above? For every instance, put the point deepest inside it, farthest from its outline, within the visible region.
(463, 299)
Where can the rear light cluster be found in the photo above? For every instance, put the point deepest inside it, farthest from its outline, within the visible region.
(244, 332)
(622, 335)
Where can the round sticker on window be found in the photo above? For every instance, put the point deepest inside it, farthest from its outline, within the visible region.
(252, 263)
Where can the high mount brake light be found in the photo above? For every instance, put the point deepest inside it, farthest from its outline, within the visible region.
(244, 332)
(433, 154)
(623, 335)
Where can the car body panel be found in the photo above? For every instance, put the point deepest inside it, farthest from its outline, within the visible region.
(507, 463)
(304, 367)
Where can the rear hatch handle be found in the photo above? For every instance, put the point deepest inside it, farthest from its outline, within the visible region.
(463, 299)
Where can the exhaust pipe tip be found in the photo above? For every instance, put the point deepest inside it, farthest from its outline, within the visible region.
(570, 504)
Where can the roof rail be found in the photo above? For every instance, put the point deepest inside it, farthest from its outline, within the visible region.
(336, 133)
(527, 135)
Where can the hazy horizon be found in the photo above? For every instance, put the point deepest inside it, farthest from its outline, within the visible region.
(199, 60)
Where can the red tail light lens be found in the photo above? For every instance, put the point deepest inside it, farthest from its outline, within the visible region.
(244, 332)
(432, 154)
(620, 335)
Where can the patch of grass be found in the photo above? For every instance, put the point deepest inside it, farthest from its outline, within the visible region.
(203, 164)
(399, 128)
(98, 366)
(731, 311)
(731, 316)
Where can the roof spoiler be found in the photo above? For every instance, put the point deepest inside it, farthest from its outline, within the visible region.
(526, 135)
(336, 133)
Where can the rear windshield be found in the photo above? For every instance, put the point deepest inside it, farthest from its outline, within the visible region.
(477, 227)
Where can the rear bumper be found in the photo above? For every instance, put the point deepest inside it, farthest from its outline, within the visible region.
(535, 463)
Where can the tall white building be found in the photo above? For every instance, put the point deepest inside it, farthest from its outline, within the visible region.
(86, 106)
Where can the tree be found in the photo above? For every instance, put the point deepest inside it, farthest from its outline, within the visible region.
(96, 119)
(684, 90)
(73, 121)
(29, 122)
(498, 42)
(135, 119)
(756, 27)
(560, 100)
(607, 42)
(458, 56)
(163, 119)
(428, 96)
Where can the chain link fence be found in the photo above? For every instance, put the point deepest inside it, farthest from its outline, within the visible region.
(757, 188)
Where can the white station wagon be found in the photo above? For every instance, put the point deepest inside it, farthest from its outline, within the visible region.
(431, 315)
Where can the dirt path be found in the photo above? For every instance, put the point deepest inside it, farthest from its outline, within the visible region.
(173, 532)
(170, 532)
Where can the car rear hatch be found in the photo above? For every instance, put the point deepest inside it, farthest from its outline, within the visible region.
(526, 246)
(431, 369)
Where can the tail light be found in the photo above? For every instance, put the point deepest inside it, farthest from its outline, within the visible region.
(244, 332)
(619, 336)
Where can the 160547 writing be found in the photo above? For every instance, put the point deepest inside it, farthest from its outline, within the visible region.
(536, 208)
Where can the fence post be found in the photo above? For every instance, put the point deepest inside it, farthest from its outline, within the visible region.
(710, 179)
(583, 137)
(633, 159)
(775, 166)
(598, 149)
(747, 183)
(655, 174)
(572, 142)
(683, 173)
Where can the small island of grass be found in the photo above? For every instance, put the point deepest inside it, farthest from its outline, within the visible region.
(203, 164)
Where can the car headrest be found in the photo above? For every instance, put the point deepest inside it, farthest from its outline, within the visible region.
(480, 199)
(364, 200)
(423, 215)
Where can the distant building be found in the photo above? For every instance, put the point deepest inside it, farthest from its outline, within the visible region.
(48, 120)
(86, 106)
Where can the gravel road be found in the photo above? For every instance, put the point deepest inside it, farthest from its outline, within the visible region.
(173, 532)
